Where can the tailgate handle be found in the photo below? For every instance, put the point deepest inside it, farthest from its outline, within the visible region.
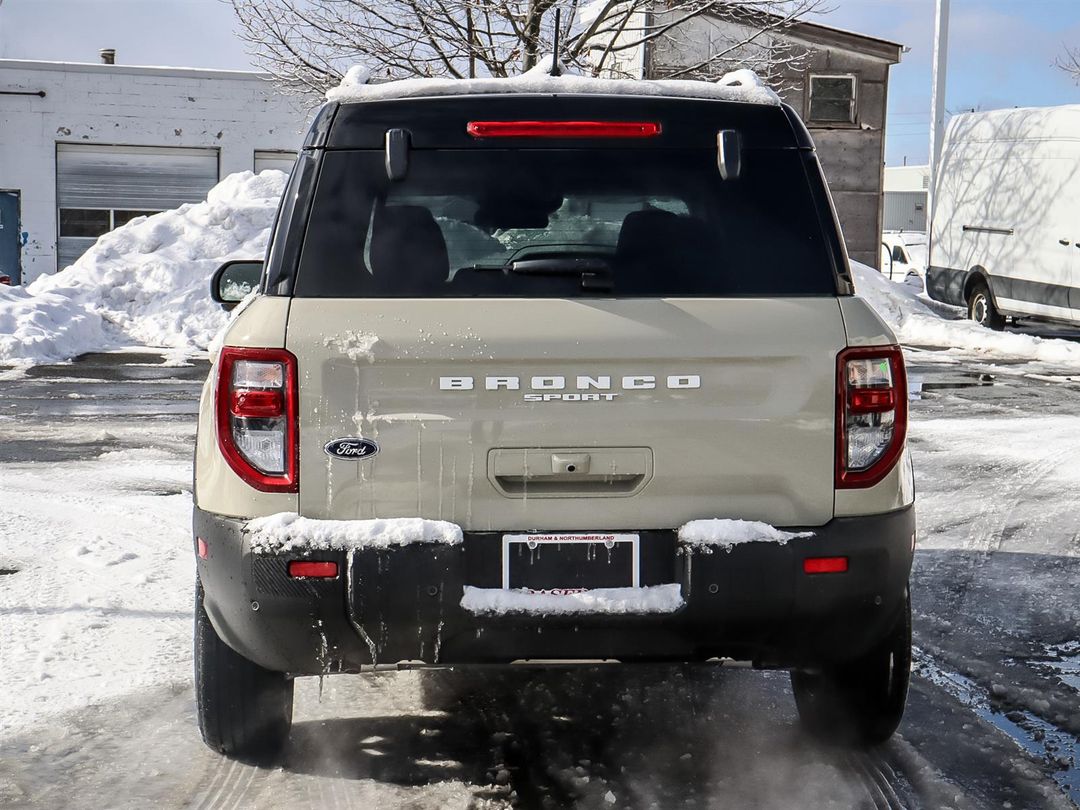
(555, 473)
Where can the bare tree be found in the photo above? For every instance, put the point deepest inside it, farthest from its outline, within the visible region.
(308, 44)
(1070, 63)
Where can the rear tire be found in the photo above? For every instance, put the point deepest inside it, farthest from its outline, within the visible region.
(981, 307)
(244, 711)
(860, 702)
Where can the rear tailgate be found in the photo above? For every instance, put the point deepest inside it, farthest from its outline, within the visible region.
(744, 427)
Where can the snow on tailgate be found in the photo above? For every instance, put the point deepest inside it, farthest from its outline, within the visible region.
(287, 531)
(498, 601)
(725, 534)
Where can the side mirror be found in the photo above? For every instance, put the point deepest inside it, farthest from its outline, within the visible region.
(234, 280)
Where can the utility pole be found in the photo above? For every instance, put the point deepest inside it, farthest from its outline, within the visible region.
(937, 100)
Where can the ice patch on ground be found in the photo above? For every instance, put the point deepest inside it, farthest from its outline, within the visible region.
(920, 322)
(287, 531)
(500, 601)
(724, 533)
(742, 85)
(146, 282)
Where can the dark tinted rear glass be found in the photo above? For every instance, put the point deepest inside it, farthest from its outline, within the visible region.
(564, 223)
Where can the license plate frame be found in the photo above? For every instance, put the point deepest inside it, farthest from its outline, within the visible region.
(534, 540)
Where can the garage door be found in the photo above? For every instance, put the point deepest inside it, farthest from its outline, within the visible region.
(99, 188)
(268, 159)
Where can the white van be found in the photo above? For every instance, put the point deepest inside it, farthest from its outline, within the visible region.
(1005, 240)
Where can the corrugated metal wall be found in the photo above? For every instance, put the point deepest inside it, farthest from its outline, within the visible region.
(905, 211)
(132, 178)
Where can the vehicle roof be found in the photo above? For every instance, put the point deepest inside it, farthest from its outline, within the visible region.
(441, 122)
(743, 86)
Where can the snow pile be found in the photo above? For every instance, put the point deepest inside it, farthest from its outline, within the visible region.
(149, 279)
(46, 327)
(287, 531)
(725, 534)
(500, 601)
(919, 322)
(741, 85)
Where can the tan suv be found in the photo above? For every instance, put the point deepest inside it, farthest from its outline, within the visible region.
(571, 375)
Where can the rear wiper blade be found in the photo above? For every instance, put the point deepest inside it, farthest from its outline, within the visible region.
(595, 273)
(546, 267)
(559, 266)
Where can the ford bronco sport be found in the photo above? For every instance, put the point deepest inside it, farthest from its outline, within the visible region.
(569, 372)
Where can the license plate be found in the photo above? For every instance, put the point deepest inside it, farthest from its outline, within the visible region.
(568, 563)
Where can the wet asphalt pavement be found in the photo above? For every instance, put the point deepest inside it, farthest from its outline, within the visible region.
(993, 717)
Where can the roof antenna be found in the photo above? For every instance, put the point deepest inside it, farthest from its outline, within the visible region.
(556, 69)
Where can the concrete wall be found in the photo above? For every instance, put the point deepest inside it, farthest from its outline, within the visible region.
(233, 112)
(852, 155)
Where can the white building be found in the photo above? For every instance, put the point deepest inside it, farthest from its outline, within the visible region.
(906, 191)
(86, 147)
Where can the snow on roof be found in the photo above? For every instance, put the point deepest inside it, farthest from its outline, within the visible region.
(146, 70)
(741, 85)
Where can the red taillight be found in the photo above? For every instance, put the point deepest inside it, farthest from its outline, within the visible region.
(872, 400)
(202, 549)
(825, 565)
(563, 129)
(312, 569)
(5, 280)
(256, 417)
(249, 404)
(871, 414)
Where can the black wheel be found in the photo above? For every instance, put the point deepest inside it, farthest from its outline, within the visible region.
(981, 307)
(860, 702)
(244, 711)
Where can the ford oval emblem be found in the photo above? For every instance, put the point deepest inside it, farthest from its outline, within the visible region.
(353, 448)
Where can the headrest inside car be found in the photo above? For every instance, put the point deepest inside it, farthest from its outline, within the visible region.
(408, 250)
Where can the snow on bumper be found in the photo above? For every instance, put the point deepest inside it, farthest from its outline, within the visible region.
(725, 533)
(603, 601)
(288, 532)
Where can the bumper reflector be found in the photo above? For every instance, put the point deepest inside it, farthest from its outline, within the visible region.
(312, 569)
(825, 565)
(202, 548)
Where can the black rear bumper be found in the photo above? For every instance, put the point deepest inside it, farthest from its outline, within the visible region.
(388, 606)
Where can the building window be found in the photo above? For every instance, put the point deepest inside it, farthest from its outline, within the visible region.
(832, 99)
(93, 222)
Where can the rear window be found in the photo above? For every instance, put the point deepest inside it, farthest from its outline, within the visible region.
(563, 223)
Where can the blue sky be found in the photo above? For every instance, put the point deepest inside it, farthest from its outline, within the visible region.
(1001, 51)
